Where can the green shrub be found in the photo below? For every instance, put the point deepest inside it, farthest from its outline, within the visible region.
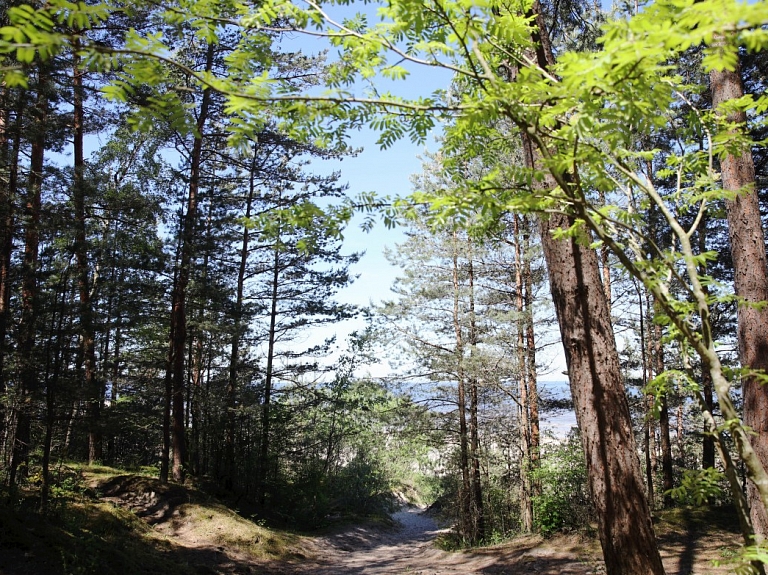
(564, 503)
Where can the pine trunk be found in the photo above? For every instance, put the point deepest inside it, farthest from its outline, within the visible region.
(179, 312)
(263, 468)
(237, 329)
(478, 512)
(665, 440)
(9, 164)
(530, 358)
(526, 495)
(602, 412)
(87, 337)
(751, 282)
(465, 510)
(28, 384)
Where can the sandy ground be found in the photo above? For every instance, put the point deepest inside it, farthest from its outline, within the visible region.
(409, 549)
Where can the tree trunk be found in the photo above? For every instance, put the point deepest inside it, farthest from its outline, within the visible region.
(530, 357)
(265, 412)
(465, 511)
(751, 282)
(478, 514)
(649, 433)
(526, 499)
(602, 411)
(9, 164)
(87, 337)
(51, 386)
(28, 384)
(664, 431)
(179, 313)
(234, 354)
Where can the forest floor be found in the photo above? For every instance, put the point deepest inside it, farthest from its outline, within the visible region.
(128, 524)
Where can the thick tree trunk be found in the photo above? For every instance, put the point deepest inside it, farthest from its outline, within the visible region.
(602, 412)
(751, 282)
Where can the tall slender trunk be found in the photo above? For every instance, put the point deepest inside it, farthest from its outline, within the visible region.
(648, 431)
(265, 412)
(51, 387)
(165, 453)
(10, 145)
(708, 439)
(668, 480)
(750, 266)
(602, 412)
(179, 312)
(87, 336)
(197, 353)
(234, 354)
(465, 511)
(478, 513)
(28, 384)
(530, 356)
(526, 499)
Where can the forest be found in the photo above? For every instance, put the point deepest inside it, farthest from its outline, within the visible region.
(173, 260)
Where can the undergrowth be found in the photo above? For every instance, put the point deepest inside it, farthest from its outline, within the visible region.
(102, 521)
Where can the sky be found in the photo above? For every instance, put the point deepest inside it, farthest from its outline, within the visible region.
(386, 172)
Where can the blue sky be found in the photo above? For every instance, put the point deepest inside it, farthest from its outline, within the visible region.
(386, 172)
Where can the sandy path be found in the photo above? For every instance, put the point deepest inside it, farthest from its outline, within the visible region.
(409, 550)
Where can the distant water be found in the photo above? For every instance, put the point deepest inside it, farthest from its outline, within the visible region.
(557, 421)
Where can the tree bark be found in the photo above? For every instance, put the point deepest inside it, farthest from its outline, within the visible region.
(87, 336)
(478, 513)
(28, 384)
(664, 431)
(526, 495)
(464, 492)
(10, 146)
(179, 313)
(530, 357)
(268, 375)
(602, 412)
(751, 282)
(237, 329)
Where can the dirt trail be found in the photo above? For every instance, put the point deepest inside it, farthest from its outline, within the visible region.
(409, 549)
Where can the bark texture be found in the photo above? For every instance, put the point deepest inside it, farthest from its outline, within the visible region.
(602, 412)
(751, 282)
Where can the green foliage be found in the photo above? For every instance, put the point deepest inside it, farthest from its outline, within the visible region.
(700, 486)
(744, 560)
(564, 503)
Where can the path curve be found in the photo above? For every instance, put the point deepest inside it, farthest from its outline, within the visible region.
(409, 549)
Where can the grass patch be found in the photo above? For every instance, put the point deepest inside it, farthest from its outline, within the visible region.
(104, 522)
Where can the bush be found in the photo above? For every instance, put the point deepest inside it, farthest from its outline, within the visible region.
(362, 487)
(564, 503)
